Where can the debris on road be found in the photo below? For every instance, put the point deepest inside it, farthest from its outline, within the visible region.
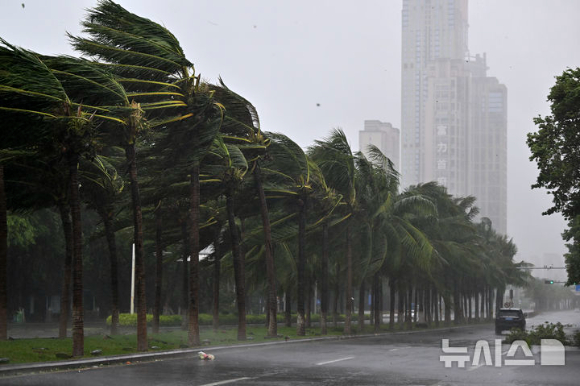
(205, 357)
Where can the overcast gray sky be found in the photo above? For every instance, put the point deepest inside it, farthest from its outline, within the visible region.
(313, 65)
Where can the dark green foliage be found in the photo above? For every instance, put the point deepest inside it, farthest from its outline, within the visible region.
(572, 236)
(128, 320)
(543, 331)
(556, 145)
(576, 339)
(556, 149)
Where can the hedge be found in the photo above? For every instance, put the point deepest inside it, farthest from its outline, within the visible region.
(130, 320)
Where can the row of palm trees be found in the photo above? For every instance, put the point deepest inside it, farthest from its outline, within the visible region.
(201, 172)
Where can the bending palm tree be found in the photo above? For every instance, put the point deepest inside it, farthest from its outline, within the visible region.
(149, 61)
(42, 92)
(337, 162)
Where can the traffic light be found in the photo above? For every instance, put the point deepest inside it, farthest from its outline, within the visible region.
(549, 281)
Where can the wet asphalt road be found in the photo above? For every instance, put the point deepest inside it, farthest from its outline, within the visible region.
(394, 359)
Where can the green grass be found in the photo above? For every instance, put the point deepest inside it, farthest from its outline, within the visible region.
(45, 349)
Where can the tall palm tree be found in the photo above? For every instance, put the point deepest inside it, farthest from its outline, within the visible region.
(149, 61)
(295, 177)
(101, 187)
(3, 260)
(48, 91)
(242, 126)
(228, 165)
(337, 162)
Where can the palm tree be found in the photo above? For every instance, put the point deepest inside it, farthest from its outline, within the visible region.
(296, 178)
(149, 61)
(101, 187)
(3, 260)
(242, 127)
(388, 238)
(52, 101)
(227, 165)
(337, 162)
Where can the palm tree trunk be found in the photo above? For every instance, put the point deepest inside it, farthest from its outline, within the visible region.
(380, 301)
(300, 321)
(336, 297)
(476, 301)
(409, 317)
(482, 304)
(377, 314)
(499, 298)
(456, 303)
(107, 217)
(361, 307)
(139, 252)
(271, 307)
(436, 305)
(348, 311)
(469, 304)
(447, 300)
(308, 302)
(401, 307)
(158, 270)
(324, 281)
(416, 309)
(428, 306)
(185, 276)
(392, 301)
(3, 260)
(216, 276)
(288, 309)
(64, 210)
(193, 309)
(490, 311)
(77, 266)
(239, 275)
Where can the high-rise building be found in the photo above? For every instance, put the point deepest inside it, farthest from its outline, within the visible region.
(453, 116)
(384, 136)
(487, 171)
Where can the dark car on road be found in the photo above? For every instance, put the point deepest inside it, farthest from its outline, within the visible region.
(508, 318)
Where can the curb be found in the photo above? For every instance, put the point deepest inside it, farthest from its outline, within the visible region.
(29, 368)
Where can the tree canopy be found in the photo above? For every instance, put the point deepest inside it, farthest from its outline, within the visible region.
(556, 149)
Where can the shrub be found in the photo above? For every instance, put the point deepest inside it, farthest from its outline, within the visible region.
(130, 320)
(576, 339)
(543, 331)
(517, 334)
(226, 319)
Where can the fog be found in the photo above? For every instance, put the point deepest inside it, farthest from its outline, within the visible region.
(310, 66)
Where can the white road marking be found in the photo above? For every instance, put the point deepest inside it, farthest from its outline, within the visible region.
(227, 381)
(336, 360)
(400, 348)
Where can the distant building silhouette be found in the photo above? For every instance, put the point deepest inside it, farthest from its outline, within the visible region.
(453, 116)
(384, 136)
